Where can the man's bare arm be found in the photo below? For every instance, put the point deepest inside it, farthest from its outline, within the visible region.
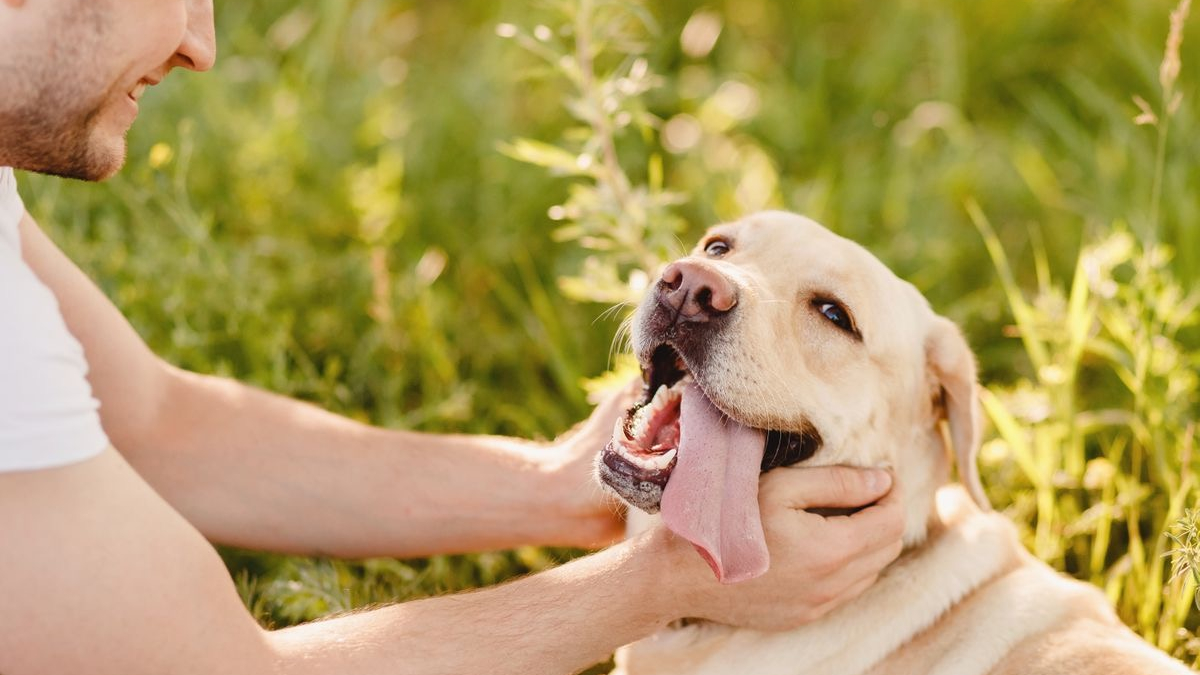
(575, 615)
(268, 472)
(101, 576)
(258, 470)
(556, 622)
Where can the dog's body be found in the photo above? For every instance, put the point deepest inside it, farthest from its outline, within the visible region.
(778, 329)
(969, 601)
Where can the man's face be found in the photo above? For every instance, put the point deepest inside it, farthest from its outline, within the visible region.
(72, 72)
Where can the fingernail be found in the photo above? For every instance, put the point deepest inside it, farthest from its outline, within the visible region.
(878, 480)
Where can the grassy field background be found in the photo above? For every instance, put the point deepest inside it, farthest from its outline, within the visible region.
(343, 211)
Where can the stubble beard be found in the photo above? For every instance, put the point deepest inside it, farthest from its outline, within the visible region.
(60, 142)
(53, 129)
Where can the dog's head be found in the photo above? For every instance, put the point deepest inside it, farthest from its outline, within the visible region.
(777, 342)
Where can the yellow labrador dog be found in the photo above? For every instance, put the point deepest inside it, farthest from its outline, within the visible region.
(778, 342)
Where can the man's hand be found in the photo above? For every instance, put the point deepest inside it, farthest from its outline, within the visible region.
(572, 461)
(817, 563)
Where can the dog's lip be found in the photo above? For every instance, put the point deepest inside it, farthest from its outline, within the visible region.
(783, 447)
(646, 362)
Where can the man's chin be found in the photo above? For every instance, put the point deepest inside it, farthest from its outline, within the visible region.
(89, 149)
(103, 168)
(96, 161)
(90, 173)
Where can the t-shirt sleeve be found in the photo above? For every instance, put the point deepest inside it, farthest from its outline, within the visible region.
(48, 416)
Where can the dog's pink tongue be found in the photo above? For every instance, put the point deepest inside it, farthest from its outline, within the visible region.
(711, 498)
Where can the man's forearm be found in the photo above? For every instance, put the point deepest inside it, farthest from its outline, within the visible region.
(263, 471)
(254, 469)
(558, 621)
(102, 577)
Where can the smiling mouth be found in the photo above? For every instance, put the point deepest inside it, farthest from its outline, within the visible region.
(639, 460)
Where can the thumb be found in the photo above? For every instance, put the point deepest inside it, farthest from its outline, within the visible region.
(608, 410)
(827, 486)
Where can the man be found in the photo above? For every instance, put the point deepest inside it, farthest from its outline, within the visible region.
(116, 469)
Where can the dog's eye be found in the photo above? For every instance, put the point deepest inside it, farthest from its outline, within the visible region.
(716, 248)
(836, 315)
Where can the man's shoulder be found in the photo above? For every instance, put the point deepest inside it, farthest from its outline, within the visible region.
(11, 209)
(25, 298)
(48, 416)
(27, 307)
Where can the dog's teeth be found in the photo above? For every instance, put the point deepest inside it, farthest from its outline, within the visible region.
(664, 397)
(660, 462)
(664, 460)
(660, 397)
(653, 462)
(640, 421)
(620, 428)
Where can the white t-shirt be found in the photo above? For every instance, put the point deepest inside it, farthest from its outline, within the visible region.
(48, 416)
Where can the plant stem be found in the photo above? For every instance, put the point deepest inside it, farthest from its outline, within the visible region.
(617, 181)
(1160, 161)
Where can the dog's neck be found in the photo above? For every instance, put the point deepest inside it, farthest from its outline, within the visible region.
(919, 476)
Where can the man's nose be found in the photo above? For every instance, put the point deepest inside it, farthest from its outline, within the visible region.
(695, 291)
(198, 50)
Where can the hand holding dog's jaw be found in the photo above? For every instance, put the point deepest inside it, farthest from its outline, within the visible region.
(568, 464)
(817, 563)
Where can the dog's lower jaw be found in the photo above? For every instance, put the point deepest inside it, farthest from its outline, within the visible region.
(640, 494)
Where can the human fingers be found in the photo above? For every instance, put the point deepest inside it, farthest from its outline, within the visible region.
(594, 431)
(613, 404)
(878, 526)
(853, 590)
(825, 486)
(855, 574)
(870, 563)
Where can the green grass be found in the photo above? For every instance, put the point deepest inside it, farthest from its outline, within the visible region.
(336, 213)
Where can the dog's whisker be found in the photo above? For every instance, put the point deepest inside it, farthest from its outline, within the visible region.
(609, 312)
(681, 246)
(621, 340)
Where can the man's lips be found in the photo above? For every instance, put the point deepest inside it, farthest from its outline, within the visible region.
(140, 87)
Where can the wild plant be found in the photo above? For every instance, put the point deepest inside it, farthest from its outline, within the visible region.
(1094, 449)
(627, 225)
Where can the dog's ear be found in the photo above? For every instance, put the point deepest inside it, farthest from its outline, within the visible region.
(952, 372)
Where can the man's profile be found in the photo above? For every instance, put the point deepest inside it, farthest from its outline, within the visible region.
(118, 470)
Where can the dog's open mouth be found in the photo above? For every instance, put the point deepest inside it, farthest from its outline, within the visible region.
(641, 455)
(677, 452)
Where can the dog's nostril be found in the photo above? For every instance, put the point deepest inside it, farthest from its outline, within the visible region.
(694, 291)
(723, 300)
(672, 277)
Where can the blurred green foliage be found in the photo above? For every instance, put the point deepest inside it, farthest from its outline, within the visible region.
(337, 213)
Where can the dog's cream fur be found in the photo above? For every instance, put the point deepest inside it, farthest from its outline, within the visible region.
(964, 598)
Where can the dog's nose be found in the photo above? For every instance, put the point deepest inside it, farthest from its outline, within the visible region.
(696, 291)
